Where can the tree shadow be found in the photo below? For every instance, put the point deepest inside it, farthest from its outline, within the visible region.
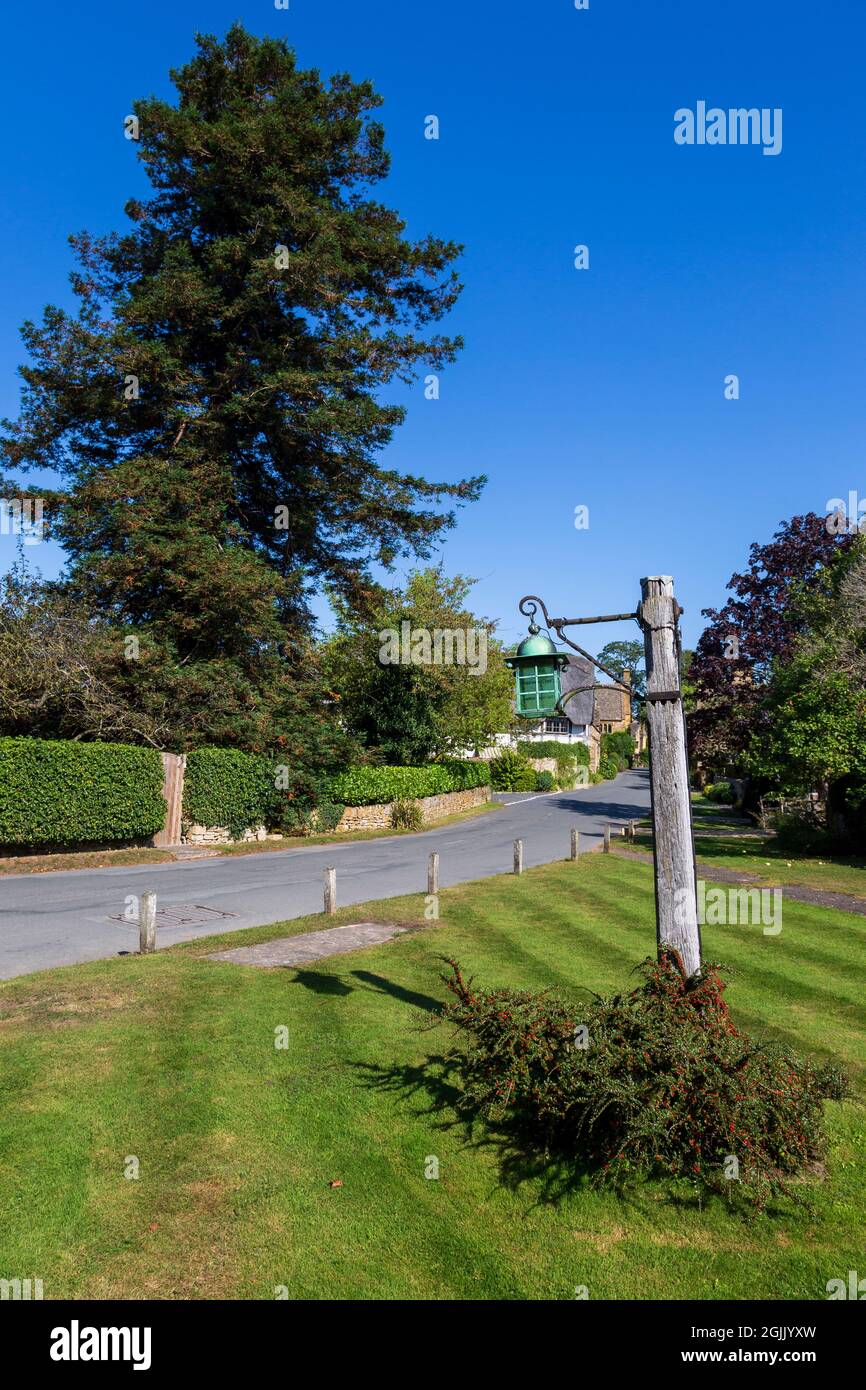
(440, 1080)
(602, 810)
(425, 1002)
(321, 984)
(337, 985)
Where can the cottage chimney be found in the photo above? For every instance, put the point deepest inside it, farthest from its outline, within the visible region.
(626, 698)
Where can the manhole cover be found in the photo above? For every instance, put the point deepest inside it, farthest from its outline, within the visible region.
(181, 915)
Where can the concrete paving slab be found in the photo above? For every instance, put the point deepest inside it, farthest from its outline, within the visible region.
(313, 945)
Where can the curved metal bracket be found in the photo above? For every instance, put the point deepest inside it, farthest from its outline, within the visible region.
(529, 606)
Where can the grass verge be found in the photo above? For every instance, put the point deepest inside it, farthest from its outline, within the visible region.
(170, 1060)
(775, 867)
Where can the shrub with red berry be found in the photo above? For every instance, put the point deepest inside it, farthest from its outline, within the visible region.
(655, 1082)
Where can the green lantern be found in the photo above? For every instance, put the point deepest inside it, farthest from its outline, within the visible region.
(537, 665)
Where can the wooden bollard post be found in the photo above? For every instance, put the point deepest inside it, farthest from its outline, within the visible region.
(330, 882)
(607, 838)
(147, 924)
(518, 856)
(432, 875)
(575, 843)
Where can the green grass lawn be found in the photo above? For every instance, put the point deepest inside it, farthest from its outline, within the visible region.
(171, 1059)
(773, 866)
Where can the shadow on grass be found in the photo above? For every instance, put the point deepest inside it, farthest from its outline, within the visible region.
(439, 1080)
(336, 985)
(425, 1002)
(321, 984)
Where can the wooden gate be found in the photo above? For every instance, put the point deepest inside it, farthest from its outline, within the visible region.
(173, 768)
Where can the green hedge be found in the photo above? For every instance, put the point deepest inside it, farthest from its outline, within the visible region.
(224, 786)
(59, 792)
(569, 757)
(549, 748)
(375, 786)
(617, 748)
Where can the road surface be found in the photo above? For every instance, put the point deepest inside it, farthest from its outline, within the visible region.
(62, 918)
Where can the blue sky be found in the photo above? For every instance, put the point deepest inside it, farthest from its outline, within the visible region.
(601, 388)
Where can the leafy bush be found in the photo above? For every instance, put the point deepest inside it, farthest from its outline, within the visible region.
(60, 792)
(295, 819)
(307, 803)
(617, 748)
(797, 834)
(720, 791)
(607, 769)
(328, 815)
(544, 782)
(406, 815)
(224, 786)
(307, 816)
(511, 772)
(373, 786)
(655, 1082)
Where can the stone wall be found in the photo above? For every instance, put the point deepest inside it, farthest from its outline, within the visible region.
(355, 817)
(219, 835)
(432, 808)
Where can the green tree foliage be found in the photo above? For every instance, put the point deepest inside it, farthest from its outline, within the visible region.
(66, 674)
(816, 700)
(754, 633)
(627, 656)
(214, 410)
(817, 728)
(617, 748)
(687, 657)
(61, 673)
(408, 712)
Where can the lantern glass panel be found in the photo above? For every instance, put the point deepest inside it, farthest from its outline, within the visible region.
(538, 689)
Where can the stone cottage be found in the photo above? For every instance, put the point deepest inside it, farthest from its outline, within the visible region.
(588, 710)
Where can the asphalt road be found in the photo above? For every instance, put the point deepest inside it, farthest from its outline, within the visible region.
(62, 918)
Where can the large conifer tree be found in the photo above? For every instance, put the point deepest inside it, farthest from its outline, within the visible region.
(214, 409)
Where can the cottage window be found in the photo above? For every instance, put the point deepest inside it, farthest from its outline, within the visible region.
(556, 726)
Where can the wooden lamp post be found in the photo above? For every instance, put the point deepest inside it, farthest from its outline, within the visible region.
(658, 617)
